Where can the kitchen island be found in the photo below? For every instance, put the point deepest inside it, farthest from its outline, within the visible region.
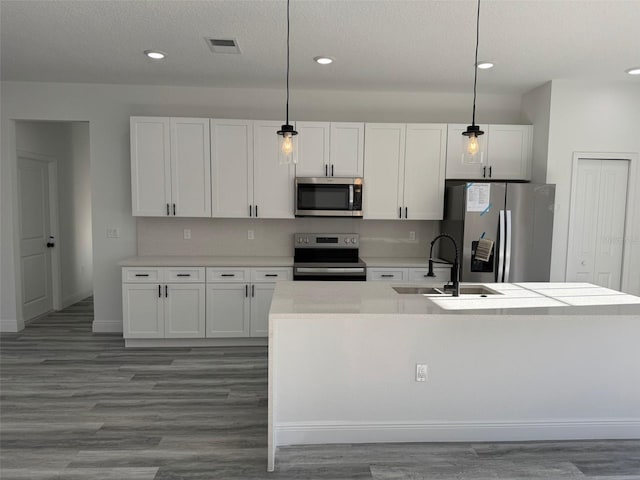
(541, 362)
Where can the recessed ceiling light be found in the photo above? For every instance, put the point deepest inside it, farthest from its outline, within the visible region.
(323, 60)
(155, 54)
(633, 71)
(485, 65)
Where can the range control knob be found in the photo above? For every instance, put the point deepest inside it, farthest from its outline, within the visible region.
(306, 239)
(346, 239)
(354, 240)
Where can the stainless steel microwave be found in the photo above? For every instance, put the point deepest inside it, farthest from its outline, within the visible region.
(328, 197)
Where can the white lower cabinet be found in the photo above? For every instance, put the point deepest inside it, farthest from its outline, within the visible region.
(184, 310)
(261, 294)
(413, 275)
(228, 310)
(143, 310)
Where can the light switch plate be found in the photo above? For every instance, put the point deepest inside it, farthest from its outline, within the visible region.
(421, 372)
(187, 234)
(250, 235)
(113, 232)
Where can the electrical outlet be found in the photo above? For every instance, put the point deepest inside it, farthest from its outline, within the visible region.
(412, 235)
(113, 232)
(421, 372)
(250, 235)
(187, 234)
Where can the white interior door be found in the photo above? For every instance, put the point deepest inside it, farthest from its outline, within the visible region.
(596, 228)
(35, 228)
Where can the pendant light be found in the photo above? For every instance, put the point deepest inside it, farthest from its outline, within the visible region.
(288, 151)
(473, 136)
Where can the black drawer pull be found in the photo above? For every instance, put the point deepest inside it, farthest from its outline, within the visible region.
(228, 275)
(271, 275)
(142, 274)
(183, 275)
(387, 275)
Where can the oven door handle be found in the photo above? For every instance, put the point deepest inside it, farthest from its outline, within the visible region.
(330, 270)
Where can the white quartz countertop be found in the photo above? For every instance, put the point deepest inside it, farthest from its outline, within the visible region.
(205, 261)
(365, 299)
(403, 262)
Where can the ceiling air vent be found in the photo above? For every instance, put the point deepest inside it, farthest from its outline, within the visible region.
(223, 45)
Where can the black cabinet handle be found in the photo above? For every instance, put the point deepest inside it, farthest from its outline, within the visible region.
(159, 291)
(142, 274)
(256, 211)
(228, 275)
(166, 290)
(484, 172)
(406, 212)
(249, 210)
(386, 275)
(174, 209)
(490, 168)
(253, 290)
(332, 169)
(168, 209)
(326, 171)
(271, 275)
(246, 290)
(183, 275)
(400, 212)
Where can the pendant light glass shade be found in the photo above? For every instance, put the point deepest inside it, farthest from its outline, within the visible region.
(472, 137)
(473, 145)
(288, 151)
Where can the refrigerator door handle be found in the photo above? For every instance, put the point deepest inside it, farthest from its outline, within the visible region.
(502, 240)
(507, 253)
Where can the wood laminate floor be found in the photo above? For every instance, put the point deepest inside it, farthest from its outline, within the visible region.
(79, 406)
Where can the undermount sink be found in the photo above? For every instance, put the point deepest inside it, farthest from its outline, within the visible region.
(480, 290)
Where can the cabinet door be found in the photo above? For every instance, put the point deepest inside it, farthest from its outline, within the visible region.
(313, 149)
(184, 310)
(231, 167)
(509, 152)
(142, 310)
(228, 310)
(424, 169)
(346, 154)
(272, 183)
(442, 275)
(190, 167)
(261, 294)
(150, 166)
(455, 166)
(384, 173)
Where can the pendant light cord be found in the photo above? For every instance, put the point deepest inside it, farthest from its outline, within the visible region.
(475, 66)
(287, 112)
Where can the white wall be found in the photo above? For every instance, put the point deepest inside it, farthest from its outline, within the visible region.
(536, 109)
(68, 143)
(593, 117)
(107, 109)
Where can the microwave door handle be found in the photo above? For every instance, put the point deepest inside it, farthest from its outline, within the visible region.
(350, 197)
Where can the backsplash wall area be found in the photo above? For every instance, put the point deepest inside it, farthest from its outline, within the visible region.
(228, 237)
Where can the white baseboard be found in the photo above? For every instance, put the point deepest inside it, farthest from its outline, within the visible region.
(195, 342)
(11, 326)
(297, 433)
(75, 298)
(107, 326)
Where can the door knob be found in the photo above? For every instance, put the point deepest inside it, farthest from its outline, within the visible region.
(583, 263)
(51, 243)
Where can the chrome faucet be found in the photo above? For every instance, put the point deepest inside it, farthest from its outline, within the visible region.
(455, 269)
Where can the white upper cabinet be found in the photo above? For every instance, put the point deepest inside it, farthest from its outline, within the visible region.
(384, 174)
(150, 166)
(313, 146)
(273, 195)
(424, 171)
(231, 168)
(170, 167)
(190, 167)
(404, 175)
(506, 154)
(330, 149)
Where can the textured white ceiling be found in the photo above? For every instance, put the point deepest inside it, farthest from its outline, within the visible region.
(420, 45)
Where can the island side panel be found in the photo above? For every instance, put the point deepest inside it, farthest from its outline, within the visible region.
(490, 378)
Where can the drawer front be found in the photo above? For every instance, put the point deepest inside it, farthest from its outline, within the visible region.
(271, 274)
(387, 274)
(229, 274)
(184, 275)
(442, 275)
(142, 274)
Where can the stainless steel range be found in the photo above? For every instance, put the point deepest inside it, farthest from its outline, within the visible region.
(328, 256)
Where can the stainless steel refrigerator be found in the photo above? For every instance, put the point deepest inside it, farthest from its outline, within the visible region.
(516, 217)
